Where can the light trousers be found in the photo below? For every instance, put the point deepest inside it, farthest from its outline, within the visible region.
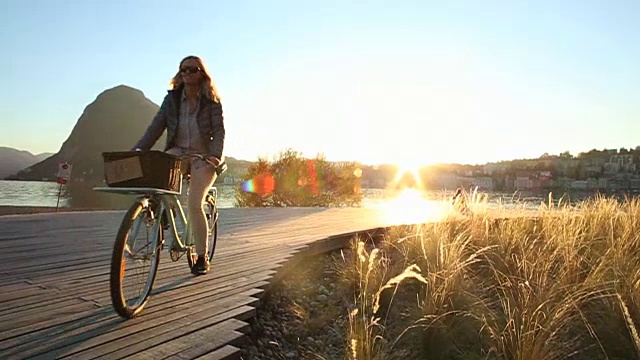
(203, 176)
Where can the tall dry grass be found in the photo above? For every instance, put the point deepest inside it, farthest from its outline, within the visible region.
(563, 284)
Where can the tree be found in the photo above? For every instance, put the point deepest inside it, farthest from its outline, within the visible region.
(566, 155)
(291, 180)
(591, 154)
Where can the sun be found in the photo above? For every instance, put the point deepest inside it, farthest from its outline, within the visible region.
(409, 165)
(410, 168)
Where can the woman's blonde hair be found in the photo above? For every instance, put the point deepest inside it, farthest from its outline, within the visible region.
(208, 87)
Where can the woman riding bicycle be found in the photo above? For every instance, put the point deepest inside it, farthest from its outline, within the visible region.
(192, 115)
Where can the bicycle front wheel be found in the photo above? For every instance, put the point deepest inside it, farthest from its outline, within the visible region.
(135, 259)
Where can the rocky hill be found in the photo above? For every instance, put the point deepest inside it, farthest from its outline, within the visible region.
(13, 160)
(113, 122)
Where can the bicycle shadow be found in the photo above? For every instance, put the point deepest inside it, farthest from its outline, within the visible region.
(173, 285)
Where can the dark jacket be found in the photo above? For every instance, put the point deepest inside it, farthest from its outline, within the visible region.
(210, 122)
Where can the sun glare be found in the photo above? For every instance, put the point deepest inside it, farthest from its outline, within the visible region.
(412, 207)
(408, 170)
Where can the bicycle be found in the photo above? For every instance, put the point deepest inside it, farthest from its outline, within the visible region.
(152, 212)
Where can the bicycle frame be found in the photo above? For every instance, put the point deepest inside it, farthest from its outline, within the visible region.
(181, 241)
(170, 203)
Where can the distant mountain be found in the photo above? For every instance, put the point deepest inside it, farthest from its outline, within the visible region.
(13, 160)
(114, 121)
(43, 156)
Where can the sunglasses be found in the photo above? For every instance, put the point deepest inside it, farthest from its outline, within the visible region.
(190, 70)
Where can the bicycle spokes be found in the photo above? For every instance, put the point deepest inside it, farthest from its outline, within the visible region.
(138, 255)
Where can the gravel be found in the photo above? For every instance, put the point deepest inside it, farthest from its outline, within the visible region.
(305, 315)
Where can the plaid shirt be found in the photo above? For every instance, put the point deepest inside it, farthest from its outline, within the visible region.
(188, 135)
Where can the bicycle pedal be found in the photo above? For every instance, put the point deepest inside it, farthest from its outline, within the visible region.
(175, 255)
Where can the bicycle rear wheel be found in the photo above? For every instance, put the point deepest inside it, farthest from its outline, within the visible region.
(211, 209)
(211, 212)
(135, 259)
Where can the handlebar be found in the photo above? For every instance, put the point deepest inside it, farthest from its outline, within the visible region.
(220, 168)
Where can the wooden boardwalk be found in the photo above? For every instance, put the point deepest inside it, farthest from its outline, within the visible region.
(54, 283)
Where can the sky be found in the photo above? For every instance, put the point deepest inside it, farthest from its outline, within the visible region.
(406, 82)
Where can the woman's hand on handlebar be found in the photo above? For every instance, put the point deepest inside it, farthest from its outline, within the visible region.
(214, 161)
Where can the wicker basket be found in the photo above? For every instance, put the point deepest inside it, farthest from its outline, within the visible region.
(142, 169)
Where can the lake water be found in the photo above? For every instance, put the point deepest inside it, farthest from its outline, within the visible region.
(37, 193)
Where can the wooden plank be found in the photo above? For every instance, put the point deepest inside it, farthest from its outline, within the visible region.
(227, 352)
(83, 239)
(15, 285)
(33, 264)
(49, 237)
(43, 313)
(17, 322)
(197, 343)
(56, 326)
(140, 342)
(270, 260)
(100, 294)
(6, 279)
(66, 272)
(230, 268)
(63, 270)
(168, 301)
(115, 329)
(20, 294)
(73, 303)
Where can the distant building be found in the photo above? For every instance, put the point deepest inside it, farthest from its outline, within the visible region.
(611, 168)
(545, 162)
(563, 166)
(484, 183)
(579, 185)
(446, 180)
(622, 162)
(602, 183)
(592, 170)
(523, 182)
(491, 169)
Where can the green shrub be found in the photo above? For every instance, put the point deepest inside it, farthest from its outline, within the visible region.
(292, 180)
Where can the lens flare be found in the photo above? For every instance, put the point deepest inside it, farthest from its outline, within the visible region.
(262, 184)
(313, 176)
